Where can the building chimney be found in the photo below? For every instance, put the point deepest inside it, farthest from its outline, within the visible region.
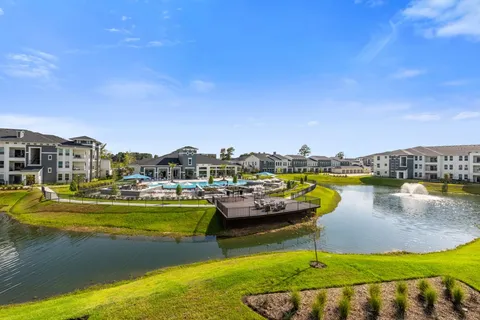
(20, 134)
(274, 152)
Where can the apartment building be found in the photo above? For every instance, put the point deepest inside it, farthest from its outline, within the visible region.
(28, 157)
(460, 162)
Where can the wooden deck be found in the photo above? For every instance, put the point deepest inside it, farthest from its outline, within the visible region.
(244, 207)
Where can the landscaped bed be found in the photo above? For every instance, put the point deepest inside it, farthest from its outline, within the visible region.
(280, 305)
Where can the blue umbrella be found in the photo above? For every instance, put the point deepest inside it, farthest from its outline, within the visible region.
(136, 177)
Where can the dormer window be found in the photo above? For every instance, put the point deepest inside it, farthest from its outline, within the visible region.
(20, 134)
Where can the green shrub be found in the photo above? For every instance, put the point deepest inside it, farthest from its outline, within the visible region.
(375, 304)
(344, 307)
(235, 179)
(402, 287)
(114, 191)
(423, 285)
(348, 292)
(401, 302)
(458, 296)
(210, 180)
(295, 299)
(319, 305)
(449, 283)
(374, 290)
(73, 186)
(430, 297)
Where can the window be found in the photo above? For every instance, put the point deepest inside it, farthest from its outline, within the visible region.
(67, 176)
(460, 158)
(67, 164)
(446, 167)
(385, 157)
(460, 167)
(49, 170)
(189, 161)
(60, 164)
(403, 161)
(465, 158)
(420, 159)
(67, 153)
(416, 174)
(60, 152)
(386, 172)
(416, 158)
(378, 165)
(2, 164)
(446, 158)
(378, 173)
(60, 177)
(419, 174)
(378, 157)
(386, 164)
(465, 176)
(451, 167)
(460, 177)
(420, 166)
(416, 166)
(2, 150)
(466, 167)
(451, 158)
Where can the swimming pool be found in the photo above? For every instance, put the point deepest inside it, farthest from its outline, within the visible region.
(193, 184)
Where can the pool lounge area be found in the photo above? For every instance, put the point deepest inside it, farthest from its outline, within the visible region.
(192, 184)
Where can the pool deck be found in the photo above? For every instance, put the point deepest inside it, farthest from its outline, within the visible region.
(244, 207)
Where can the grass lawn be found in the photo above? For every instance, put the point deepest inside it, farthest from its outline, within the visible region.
(214, 290)
(65, 189)
(329, 199)
(186, 201)
(115, 219)
(9, 198)
(377, 181)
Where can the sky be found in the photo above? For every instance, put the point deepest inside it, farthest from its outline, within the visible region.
(358, 76)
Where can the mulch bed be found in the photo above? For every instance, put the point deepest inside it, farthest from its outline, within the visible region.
(278, 305)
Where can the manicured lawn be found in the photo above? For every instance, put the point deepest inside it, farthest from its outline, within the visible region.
(115, 219)
(186, 201)
(329, 199)
(65, 189)
(9, 198)
(214, 290)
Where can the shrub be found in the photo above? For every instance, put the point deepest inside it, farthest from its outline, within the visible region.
(319, 305)
(348, 292)
(375, 303)
(114, 191)
(344, 307)
(210, 180)
(458, 296)
(374, 290)
(235, 179)
(295, 299)
(301, 180)
(73, 186)
(178, 190)
(402, 288)
(449, 283)
(423, 285)
(430, 297)
(401, 302)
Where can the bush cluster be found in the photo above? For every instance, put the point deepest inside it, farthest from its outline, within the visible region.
(344, 305)
(401, 301)
(319, 305)
(94, 184)
(374, 300)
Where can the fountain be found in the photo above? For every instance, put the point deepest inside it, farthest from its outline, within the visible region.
(413, 188)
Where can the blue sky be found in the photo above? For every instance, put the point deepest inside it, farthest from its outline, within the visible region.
(359, 76)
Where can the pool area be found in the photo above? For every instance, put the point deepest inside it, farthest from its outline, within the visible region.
(192, 184)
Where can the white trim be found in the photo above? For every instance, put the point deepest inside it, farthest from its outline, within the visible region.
(50, 157)
(49, 170)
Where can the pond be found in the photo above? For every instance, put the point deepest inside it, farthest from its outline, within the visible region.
(39, 262)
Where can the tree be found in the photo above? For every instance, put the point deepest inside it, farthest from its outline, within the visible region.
(304, 151)
(104, 153)
(340, 155)
(446, 178)
(114, 189)
(235, 179)
(279, 170)
(210, 180)
(226, 154)
(178, 190)
(224, 170)
(172, 166)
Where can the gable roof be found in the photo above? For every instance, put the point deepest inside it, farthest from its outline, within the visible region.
(296, 156)
(434, 150)
(29, 136)
(85, 138)
(319, 158)
(278, 157)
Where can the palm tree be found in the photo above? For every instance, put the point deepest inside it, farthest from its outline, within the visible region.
(172, 166)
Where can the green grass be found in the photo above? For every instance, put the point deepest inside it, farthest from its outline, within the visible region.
(318, 306)
(9, 198)
(185, 201)
(402, 287)
(64, 188)
(295, 299)
(389, 182)
(458, 296)
(174, 221)
(344, 307)
(401, 302)
(431, 297)
(214, 290)
(449, 283)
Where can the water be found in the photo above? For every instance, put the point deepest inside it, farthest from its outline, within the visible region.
(40, 262)
(413, 188)
(192, 185)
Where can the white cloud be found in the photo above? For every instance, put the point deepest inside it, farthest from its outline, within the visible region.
(64, 127)
(312, 123)
(166, 14)
(125, 18)
(446, 18)
(113, 30)
(202, 86)
(423, 117)
(129, 89)
(467, 115)
(408, 73)
(37, 65)
(455, 83)
(155, 44)
(131, 39)
(1, 12)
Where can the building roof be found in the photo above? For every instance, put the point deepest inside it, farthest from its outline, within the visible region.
(203, 159)
(174, 157)
(262, 156)
(278, 157)
(320, 158)
(434, 150)
(84, 138)
(29, 136)
(296, 157)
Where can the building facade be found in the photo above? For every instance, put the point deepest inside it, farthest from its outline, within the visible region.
(460, 163)
(28, 157)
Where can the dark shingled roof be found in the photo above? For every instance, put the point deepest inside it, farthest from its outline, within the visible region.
(434, 150)
(317, 158)
(278, 157)
(173, 157)
(29, 136)
(84, 138)
(296, 156)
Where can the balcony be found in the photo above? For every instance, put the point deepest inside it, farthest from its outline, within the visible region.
(19, 154)
(78, 156)
(78, 168)
(16, 167)
(431, 168)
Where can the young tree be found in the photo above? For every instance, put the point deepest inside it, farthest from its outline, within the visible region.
(224, 170)
(178, 190)
(210, 180)
(114, 189)
(226, 154)
(304, 151)
(172, 166)
(340, 155)
(446, 179)
(73, 185)
(235, 179)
